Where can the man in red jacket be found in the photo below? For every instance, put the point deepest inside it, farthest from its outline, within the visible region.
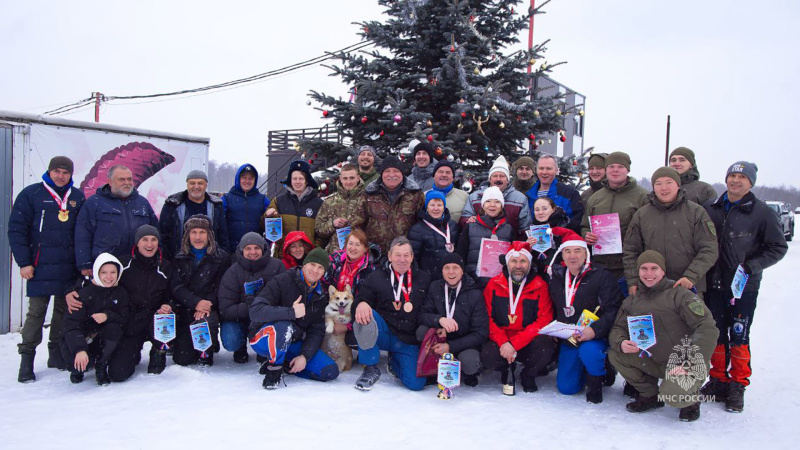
(519, 306)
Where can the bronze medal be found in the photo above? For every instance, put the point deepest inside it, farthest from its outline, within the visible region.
(408, 307)
(512, 318)
(63, 215)
(396, 306)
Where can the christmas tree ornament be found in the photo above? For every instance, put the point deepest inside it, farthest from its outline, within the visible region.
(489, 89)
(394, 124)
(364, 119)
(581, 112)
(429, 123)
(430, 138)
(477, 106)
(486, 148)
(308, 102)
(452, 48)
(438, 151)
(494, 108)
(536, 113)
(532, 137)
(352, 118)
(532, 61)
(472, 18)
(502, 125)
(460, 126)
(325, 113)
(563, 139)
(535, 146)
(544, 65)
(397, 118)
(476, 71)
(323, 186)
(575, 163)
(463, 115)
(462, 101)
(558, 112)
(458, 160)
(469, 141)
(450, 157)
(381, 134)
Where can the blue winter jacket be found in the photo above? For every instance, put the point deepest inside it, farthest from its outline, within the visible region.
(243, 210)
(108, 224)
(564, 196)
(37, 238)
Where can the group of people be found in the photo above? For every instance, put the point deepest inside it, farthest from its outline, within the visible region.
(410, 263)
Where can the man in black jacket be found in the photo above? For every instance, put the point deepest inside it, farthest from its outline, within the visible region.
(199, 267)
(287, 323)
(193, 201)
(749, 236)
(454, 305)
(250, 272)
(387, 307)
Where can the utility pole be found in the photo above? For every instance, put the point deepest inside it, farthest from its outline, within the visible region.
(530, 33)
(666, 152)
(97, 97)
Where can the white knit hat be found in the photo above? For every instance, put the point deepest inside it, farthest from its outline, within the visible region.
(493, 193)
(500, 165)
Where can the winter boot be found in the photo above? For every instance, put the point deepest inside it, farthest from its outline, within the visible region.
(509, 380)
(158, 361)
(101, 366)
(206, 361)
(54, 358)
(240, 356)
(101, 374)
(594, 388)
(644, 404)
(390, 369)
(717, 388)
(611, 374)
(735, 400)
(75, 376)
(690, 413)
(273, 376)
(629, 391)
(470, 380)
(369, 377)
(26, 374)
(528, 381)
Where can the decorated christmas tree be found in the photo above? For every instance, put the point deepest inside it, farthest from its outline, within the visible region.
(441, 72)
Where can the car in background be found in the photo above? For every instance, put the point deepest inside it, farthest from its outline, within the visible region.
(786, 218)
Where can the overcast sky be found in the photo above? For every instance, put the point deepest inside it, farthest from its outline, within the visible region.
(727, 71)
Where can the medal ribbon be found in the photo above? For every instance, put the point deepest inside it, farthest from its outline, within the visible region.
(62, 204)
(450, 311)
(400, 287)
(446, 235)
(571, 287)
(494, 230)
(513, 302)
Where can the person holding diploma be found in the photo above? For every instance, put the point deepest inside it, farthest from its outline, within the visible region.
(434, 235)
(287, 324)
(455, 307)
(749, 237)
(519, 305)
(675, 227)
(341, 209)
(620, 195)
(545, 212)
(685, 335)
(575, 286)
(490, 223)
(298, 206)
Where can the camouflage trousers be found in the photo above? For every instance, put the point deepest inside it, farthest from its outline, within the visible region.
(644, 373)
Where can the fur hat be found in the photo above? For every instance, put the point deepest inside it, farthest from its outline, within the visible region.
(318, 256)
(198, 221)
(61, 162)
(493, 193)
(666, 172)
(500, 165)
(651, 256)
(252, 238)
(619, 158)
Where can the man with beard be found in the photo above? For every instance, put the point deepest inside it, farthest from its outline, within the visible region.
(524, 170)
(367, 158)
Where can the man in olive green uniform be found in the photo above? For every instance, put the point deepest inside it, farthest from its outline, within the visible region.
(679, 229)
(342, 209)
(685, 336)
(367, 159)
(621, 195)
(682, 159)
(597, 173)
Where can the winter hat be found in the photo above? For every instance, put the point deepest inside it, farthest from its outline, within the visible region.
(424, 147)
(569, 238)
(434, 194)
(749, 170)
(524, 161)
(197, 174)
(500, 165)
(597, 160)
(198, 221)
(666, 172)
(252, 238)
(61, 162)
(318, 256)
(444, 163)
(619, 158)
(147, 230)
(248, 168)
(520, 248)
(451, 258)
(686, 153)
(651, 256)
(368, 148)
(391, 161)
(300, 166)
(103, 259)
(493, 193)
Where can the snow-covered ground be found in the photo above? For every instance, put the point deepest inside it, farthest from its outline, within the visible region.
(226, 405)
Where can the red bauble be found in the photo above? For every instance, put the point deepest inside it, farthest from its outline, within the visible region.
(311, 161)
(563, 139)
(364, 119)
(430, 138)
(452, 48)
(438, 151)
(325, 113)
(381, 133)
(532, 137)
(574, 162)
(463, 115)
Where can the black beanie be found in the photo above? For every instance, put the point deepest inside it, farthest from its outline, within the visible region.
(61, 162)
(444, 163)
(425, 147)
(147, 230)
(451, 258)
(391, 162)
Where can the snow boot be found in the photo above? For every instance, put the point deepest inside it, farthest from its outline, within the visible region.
(716, 388)
(629, 391)
(611, 374)
(509, 385)
(644, 404)
(26, 374)
(206, 361)
(54, 358)
(240, 356)
(690, 413)
(101, 374)
(76, 376)
(528, 381)
(390, 369)
(594, 388)
(158, 361)
(273, 376)
(735, 400)
(368, 378)
(470, 380)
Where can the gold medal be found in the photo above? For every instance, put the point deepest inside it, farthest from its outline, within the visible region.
(396, 306)
(512, 318)
(408, 307)
(63, 215)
